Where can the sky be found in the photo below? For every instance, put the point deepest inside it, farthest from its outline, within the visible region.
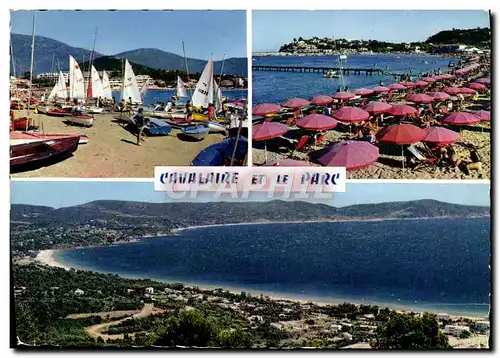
(68, 193)
(204, 32)
(271, 29)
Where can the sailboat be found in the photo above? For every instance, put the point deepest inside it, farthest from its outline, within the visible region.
(60, 90)
(204, 92)
(106, 87)
(76, 80)
(181, 88)
(130, 89)
(94, 90)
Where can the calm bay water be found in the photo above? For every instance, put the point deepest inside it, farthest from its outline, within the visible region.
(275, 87)
(437, 265)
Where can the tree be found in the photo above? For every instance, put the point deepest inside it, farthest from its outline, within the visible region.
(403, 331)
(189, 328)
(465, 334)
(234, 338)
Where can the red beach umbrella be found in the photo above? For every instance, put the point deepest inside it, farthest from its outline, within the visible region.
(295, 103)
(402, 110)
(407, 84)
(447, 76)
(451, 90)
(421, 83)
(396, 87)
(352, 155)
(351, 114)
(461, 119)
(428, 79)
(289, 163)
(484, 116)
(401, 134)
(363, 92)
(420, 98)
(268, 130)
(381, 89)
(265, 109)
(321, 100)
(468, 91)
(438, 78)
(317, 122)
(439, 96)
(484, 80)
(477, 86)
(377, 108)
(440, 135)
(343, 96)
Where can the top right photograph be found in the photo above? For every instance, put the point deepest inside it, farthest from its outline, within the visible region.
(387, 94)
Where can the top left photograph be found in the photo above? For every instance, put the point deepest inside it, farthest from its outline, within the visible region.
(112, 94)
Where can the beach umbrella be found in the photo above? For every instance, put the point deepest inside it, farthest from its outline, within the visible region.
(484, 116)
(351, 154)
(377, 108)
(461, 119)
(428, 79)
(402, 110)
(467, 91)
(321, 100)
(289, 163)
(265, 109)
(439, 96)
(396, 87)
(267, 130)
(437, 78)
(295, 103)
(451, 90)
(381, 89)
(343, 95)
(477, 86)
(407, 84)
(351, 114)
(317, 122)
(420, 98)
(363, 92)
(401, 134)
(447, 76)
(421, 84)
(440, 136)
(484, 80)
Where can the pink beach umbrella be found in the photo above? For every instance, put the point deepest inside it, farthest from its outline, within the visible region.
(396, 87)
(321, 100)
(484, 80)
(420, 98)
(363, 92)
(452, 90)
(421, 84)
(295, 103)
(440, 136)
(407, 84)
(477, 86)
(377, 108)
(351, 114)
(402, 110)
(461, 119)
(438, 78)
(447, 76)
(289, 163)
(439, 96)
(343, 96)
(381, 89)
(352, 155)
(317, 122)
(267, 130)
(484, 116)
(467, 91)
(265, 109)
(428, 79)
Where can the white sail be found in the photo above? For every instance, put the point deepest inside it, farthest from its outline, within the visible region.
(203, 93)
(97, 90)
(106, 87)
(144, 89)
(181, 88)
(60, 90)
(76, 84)
(218, 97)
(130, 87)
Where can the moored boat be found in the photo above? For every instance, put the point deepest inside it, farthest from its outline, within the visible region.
(197, 132)
(82, 119)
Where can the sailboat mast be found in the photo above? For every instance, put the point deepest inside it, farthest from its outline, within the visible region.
(31, 66)
(187, 69)
(222, 68)
(52, 65)
(89, 83)
(13, 59)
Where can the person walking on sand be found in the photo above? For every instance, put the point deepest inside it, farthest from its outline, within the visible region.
(139, 122)
(189, 111)
(211, 112)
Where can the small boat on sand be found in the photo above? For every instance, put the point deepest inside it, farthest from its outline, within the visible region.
(197, 132)
(220, 154)
(31, 137)
(82, 119)
(216, 127)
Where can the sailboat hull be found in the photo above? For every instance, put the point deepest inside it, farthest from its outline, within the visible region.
(196, 132)
(84, 120)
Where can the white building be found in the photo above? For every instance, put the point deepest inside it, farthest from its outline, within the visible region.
(149, 290)
(455, 330)
(53, 76)
(482, 325)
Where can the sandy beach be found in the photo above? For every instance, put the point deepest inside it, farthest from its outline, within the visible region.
(112, 151)
(47, 257)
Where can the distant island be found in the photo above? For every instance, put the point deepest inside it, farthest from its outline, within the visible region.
(479, 39)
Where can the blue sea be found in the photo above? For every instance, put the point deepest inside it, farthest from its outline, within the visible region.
(152, 97)
(275, 87)
(438, 265)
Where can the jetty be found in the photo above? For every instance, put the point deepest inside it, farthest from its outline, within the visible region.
(315, 69)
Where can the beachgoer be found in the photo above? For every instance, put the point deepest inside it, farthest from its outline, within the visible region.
(168, 107)
(211, 112)
(113, 104)
(139, 122)
(42, 99)
(189, 110)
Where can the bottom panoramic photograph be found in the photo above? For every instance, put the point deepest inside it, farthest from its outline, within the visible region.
(381, 266)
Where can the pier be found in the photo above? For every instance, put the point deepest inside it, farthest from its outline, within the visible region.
(313, 69)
